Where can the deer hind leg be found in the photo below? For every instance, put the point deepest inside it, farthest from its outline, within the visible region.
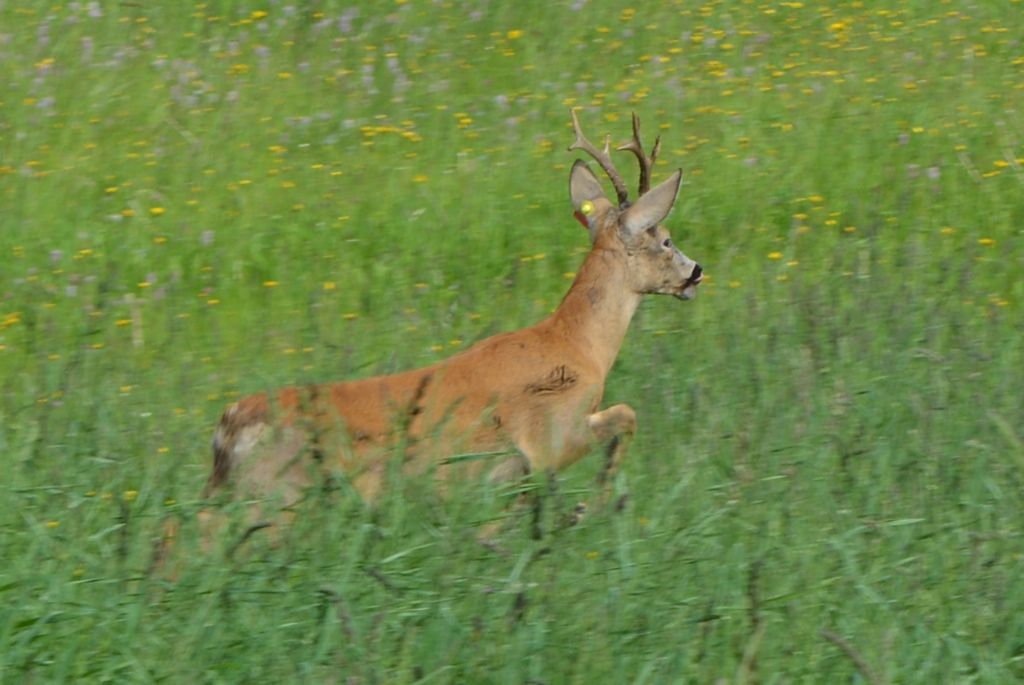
(614, 428)
(270, 467)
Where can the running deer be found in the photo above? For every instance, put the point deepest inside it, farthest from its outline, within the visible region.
(531, 396)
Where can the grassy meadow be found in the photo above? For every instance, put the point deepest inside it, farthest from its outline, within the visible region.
(200, 200)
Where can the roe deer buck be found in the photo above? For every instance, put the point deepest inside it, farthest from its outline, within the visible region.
(531, 394)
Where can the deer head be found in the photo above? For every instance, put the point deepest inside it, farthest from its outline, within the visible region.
(654, 263)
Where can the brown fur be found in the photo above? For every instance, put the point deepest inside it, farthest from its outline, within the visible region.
(533, 393)
(560, 379)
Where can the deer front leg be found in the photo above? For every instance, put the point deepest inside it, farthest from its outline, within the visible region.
(508, 471)
(614, 428)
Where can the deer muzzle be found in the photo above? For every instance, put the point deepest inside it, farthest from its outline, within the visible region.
(695, 276)
(689, 288)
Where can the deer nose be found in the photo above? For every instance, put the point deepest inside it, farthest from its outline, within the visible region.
(696, 274)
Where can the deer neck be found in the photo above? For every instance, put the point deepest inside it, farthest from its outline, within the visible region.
(596, 312)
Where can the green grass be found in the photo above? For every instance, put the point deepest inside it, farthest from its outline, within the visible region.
(205, 200)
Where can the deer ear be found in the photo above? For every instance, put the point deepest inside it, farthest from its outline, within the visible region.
(583, 185)
(652, 208)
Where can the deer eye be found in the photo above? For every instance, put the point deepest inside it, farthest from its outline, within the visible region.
(667, 243)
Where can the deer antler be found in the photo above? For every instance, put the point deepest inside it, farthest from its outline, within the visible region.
(637, 148)
(602, 157)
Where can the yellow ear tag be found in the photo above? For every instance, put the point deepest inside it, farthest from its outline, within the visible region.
(587, 207)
